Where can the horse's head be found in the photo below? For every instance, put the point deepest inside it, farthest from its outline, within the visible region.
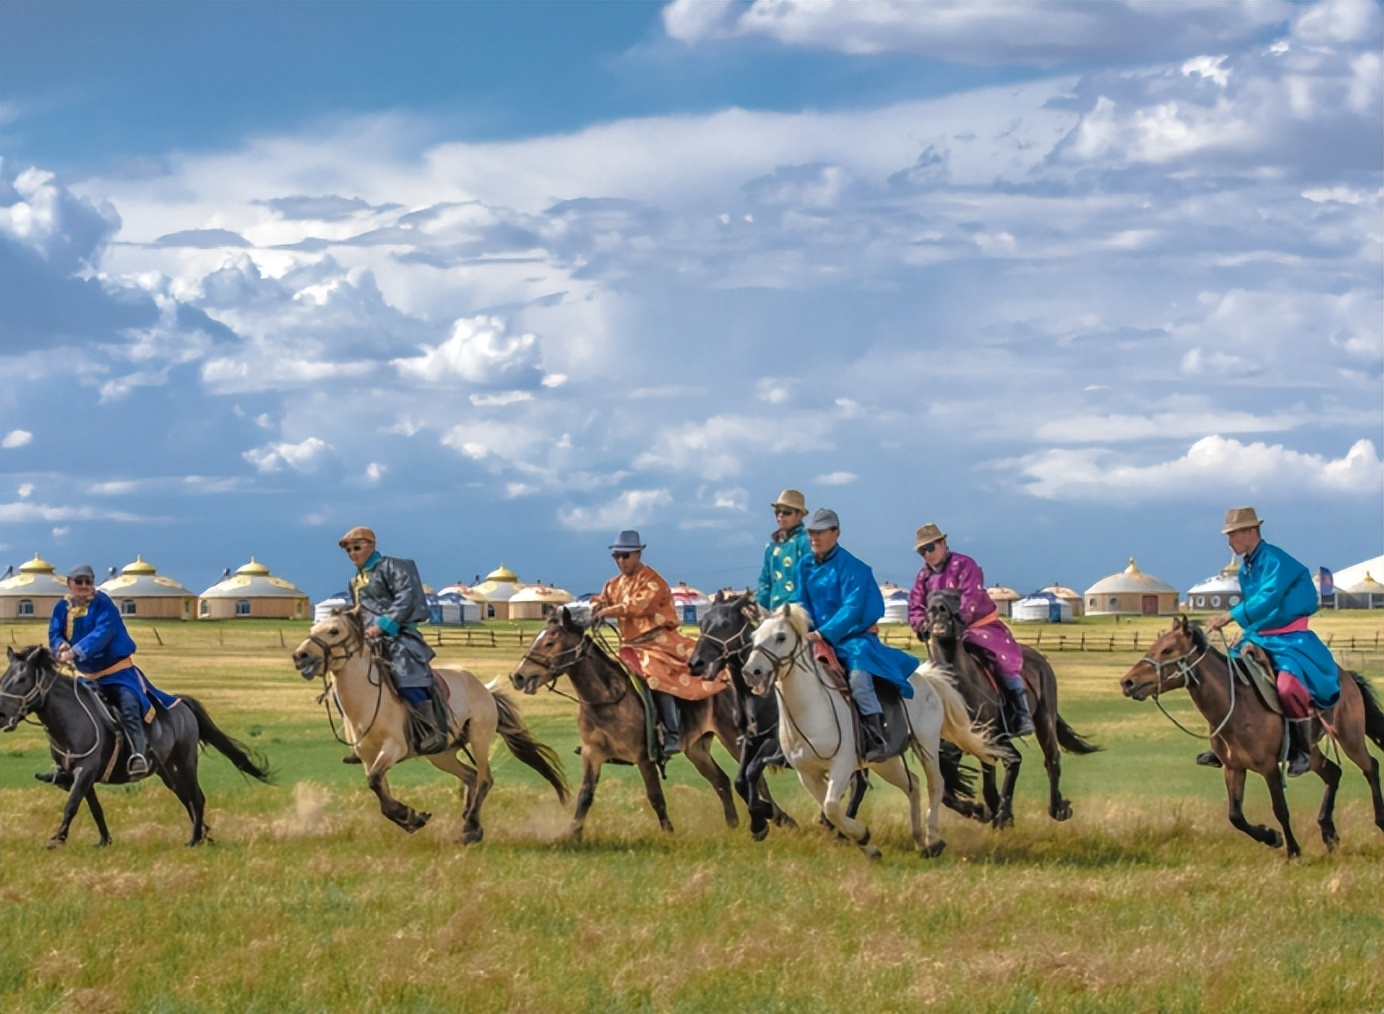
(330, 642)
(726, 626)
(944, 614)
(558, 645)
(775, 643)
(1167, 663)
(25, 684)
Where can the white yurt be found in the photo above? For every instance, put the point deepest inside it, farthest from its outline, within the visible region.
(1068, 595)
(139, 590)
(536, 601)
(1042, 607)
(895, 603)
(1131, 592)
(1004, 598)
(1348, 577)
(324, 609)
(1218, 592)
(1364, 594)
(689, 603)
(252, 592)
(32, 593)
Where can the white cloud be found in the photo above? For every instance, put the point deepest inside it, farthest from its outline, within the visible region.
(19, 513)
(16, 438)
(26, 489)
(374, 472)
(501, 399)
(837, 479)
(1225, 468)
(628, 510)
(1101, 429)
(478, 351)
(719, 447)
(305, 456)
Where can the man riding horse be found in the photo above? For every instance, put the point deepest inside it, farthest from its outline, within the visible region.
(390, 596)
(843, 598)
(943, 569)
(778, 577)
(643, 603)
(1277, 596)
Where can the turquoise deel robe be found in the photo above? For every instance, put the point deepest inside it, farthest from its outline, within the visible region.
(1277, 590)
(842, 597)
(778, 578)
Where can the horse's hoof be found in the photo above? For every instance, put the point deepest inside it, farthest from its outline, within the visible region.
(666, 825)
(759, 834)
(732, 822)
(934, 849)
(1002, 821)
(54, 843)
(102, 843)
(1275, 840)
(1330, 841)
(472, 835)
(575, 834)
(783, 820)
(1063, 812)
(872, 853)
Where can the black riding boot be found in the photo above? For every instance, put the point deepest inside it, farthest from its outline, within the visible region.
(1209, 759)
(133, 722)
(672, 728)
(424, 729)
(876, 748)
(1023, 718)
(1299, 746)
(58, 778)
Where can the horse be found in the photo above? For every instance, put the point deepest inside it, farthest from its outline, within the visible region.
(86, 740)
(375, 719)
(985, 702)
(1248, 736)
(611, 717)
(817, 728)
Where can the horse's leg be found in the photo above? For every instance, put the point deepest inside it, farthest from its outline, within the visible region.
(83, 781)
(1235, 796)
(653, 788)
(1058, 808)
(991, 794)
(1330, 773)
(405, 816)
(1005, 816)
(472, 831)
(1280, 811)
(698, 751)
(99, 816)
(178, 770)
(466, 775)
(590, 775)
(838, 779)
(1350, 735)
(896, 773)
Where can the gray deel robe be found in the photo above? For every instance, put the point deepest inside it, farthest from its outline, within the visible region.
(395, 590)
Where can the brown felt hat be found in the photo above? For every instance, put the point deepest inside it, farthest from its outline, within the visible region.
(928, 533)
(792, 500)
(357, 534)
(1240, 518)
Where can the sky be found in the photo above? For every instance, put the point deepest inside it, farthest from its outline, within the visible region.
(500, 280)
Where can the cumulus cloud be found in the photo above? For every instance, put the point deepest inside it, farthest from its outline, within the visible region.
(16, 438)
(628, 510)
(718, 448)
(479, 351)
(836, 479)
(21, 513)
(305, 456)
(1224, 467)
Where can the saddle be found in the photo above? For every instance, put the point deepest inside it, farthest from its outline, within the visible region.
(895, 717)
(629, 658)
(1253, 666)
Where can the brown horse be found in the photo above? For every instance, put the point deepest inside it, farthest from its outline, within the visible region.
(986, 705)
(1248, 736)
(611, 718)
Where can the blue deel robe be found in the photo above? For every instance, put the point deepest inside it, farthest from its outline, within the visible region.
(778, 578)
(99, 640)
(842, 597)
(1277, 590)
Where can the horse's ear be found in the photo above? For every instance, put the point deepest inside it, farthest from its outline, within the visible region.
(10, 652)
(564, 618)
(719, 597)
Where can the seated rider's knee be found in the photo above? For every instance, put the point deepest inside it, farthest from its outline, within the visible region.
(1293, 695)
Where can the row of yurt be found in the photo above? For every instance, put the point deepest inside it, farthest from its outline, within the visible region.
(1131, 592)
(139, 590)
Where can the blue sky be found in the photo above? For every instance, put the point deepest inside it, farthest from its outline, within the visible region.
(501, 280)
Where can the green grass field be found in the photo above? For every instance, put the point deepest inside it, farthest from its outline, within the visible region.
(1147, 900)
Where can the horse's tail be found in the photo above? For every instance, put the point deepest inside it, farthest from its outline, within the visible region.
(1068, 739)
(246, 760)
(956, 719)
(539, 756)
(1374, 716)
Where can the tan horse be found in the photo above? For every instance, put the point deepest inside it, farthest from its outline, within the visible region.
(1248, 736)
(375, 721)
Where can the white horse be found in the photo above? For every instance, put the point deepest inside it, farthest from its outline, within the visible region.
(375, 719)
(817, 728)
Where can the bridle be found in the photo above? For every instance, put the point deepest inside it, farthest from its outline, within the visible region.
(348, 647)
(782, 662)
(37, 696)
(729, 647)
(562, 661)
(1188, 671)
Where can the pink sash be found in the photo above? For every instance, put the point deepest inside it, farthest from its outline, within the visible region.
(1296, 627)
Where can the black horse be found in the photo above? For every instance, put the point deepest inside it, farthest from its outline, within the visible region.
(87, 743)
(983, 698)
(726, 629)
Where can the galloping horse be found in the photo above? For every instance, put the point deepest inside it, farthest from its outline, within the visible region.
(818, 735)
(375, 720)
(86, 741)
(611, 718)
(1248, 736)
(986, 705)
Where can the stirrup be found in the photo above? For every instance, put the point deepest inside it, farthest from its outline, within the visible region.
(137, 766)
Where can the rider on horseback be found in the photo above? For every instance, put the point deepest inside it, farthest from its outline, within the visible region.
(1277, 596)
(843, 598)
(778, 578)
(643, 603)
(943, 569)
(390, 595)
(87, 632)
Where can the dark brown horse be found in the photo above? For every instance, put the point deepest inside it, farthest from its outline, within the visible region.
(1248, 736)
(611, 718)
(986, 704)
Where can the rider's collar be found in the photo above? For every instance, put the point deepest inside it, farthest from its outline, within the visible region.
(371, 561)
(781, 536)
(823, 559)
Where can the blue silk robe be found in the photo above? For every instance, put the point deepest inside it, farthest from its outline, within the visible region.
(1277, 590)
(99, 640)
(843, 598)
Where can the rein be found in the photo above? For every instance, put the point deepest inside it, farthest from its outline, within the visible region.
(780, 662)
(1188, 670)
(37, 698)
(349, 649)
(559, 664)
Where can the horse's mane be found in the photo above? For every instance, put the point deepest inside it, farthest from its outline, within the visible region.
(38, 654)
(797, 618)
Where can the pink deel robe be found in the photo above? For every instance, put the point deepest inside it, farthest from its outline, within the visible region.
(983, 626)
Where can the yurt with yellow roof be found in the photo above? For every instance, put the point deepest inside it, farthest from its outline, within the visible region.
(252, 592)
(494, 593)
(31, 593)
(140, 590)
(1131, 592)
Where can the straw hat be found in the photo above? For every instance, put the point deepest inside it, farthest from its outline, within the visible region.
(1239, 518)
(928, 533)
(792, 500)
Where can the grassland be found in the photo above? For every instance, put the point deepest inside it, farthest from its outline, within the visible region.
(311, 901)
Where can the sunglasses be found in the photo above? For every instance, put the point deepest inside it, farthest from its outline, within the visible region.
(621, 556)
(80, 580)
(351, 547)
(781, 511)
(928, 548)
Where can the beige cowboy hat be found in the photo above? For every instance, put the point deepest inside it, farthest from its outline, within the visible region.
(928, 533)
(1239, 518)
(792, 500)
(357, 534)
